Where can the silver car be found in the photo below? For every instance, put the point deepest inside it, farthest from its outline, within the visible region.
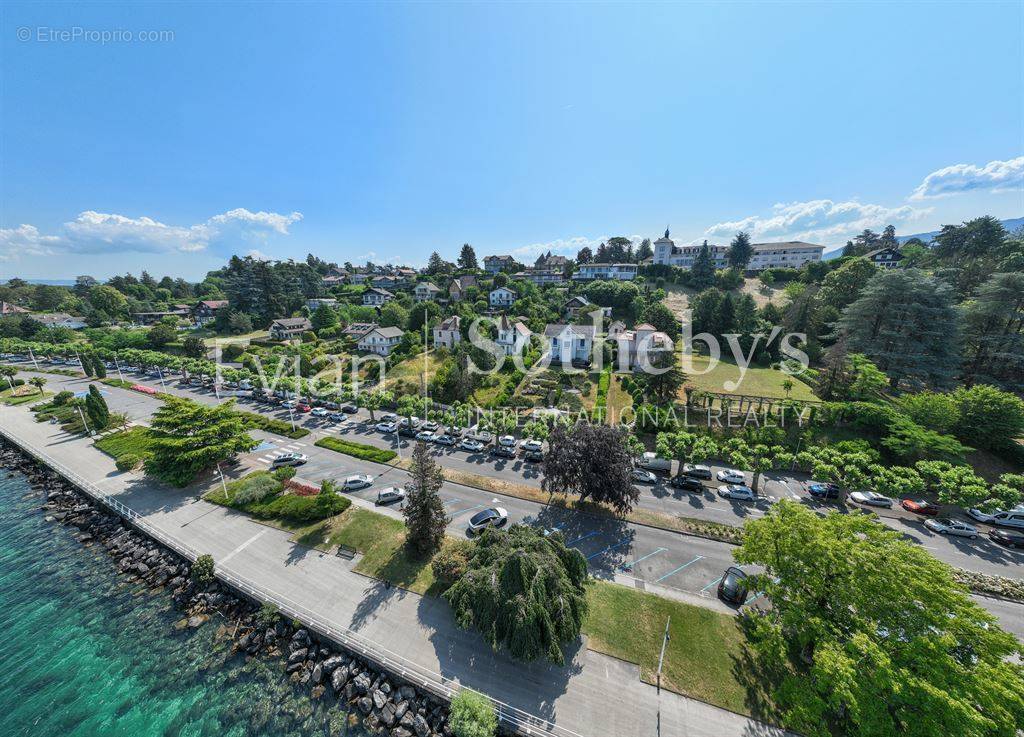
(390, 495)
(358, 481)
(871, 499)
(948, 526)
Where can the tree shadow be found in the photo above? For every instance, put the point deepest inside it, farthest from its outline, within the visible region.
(376, 595)
(759, 680)
(606, 542)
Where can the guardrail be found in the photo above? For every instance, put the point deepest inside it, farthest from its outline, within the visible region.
(516, 719)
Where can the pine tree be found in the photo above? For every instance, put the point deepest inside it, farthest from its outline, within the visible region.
(96, 408)
(467, 258)
(644, 250)
(702, 273)
(424, 512)
(740, 251)
(87, 365)
(98, 367)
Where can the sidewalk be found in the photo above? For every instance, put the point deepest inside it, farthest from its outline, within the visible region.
(592, 696)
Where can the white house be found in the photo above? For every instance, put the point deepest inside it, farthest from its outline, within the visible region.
(569, 343)
(541, 276)
(314, 304)
(512, 337)
(426, 291)
(375, 297)
(359, 277)
(448, 333)
(380, 340)
(59, 320)
(286, 328)
(667, 252)
(608, 272)
(502, 297)
(787, 255)
(634, 345)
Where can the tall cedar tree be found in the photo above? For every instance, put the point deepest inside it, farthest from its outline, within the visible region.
(424, 511)
(740, 251)
(906, 323)
(994, 330)
(667, 378)
(702, 273)
(524, 591)
(98, 367)
(592, 461)
(869, 634)
(96, 408)
(467, 258)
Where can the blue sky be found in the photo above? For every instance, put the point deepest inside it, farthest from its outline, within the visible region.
(387, 131)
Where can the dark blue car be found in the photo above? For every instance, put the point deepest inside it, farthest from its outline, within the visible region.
(823, 491)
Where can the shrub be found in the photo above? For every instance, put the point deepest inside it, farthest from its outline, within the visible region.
(127, 462)
(202, 570)
(284, 473)
(301, 508)
(267, 615)
(452, 560)
(62, 398)
(255, 489)
(472, 715)
(357, 450)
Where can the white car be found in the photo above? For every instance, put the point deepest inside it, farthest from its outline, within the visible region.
(871, 499)
(444, 439)
(319, 412)
(644, 477)
(289, 459)
(507, 440)
(390, 495)
(386, 427)
(389, 417)
(493, 517)
(431, 425)
(359, 481)
(731, 476)
(738, 492)
(426, 436)
(473, 446)
(978, 516)
(948, 526)
(531, 445)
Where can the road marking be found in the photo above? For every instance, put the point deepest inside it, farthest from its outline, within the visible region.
(684, 565)
(757, 596)
(579, 539)
(634, 562)
(712, 584)
(446, 502)
(619, 544)
(241, 547)
(467, 509)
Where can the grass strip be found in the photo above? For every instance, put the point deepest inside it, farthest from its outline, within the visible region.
(357, 450)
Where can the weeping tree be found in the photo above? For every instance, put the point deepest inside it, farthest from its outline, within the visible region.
(523, 591)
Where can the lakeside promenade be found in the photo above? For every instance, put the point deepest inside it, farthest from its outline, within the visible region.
(593, 695)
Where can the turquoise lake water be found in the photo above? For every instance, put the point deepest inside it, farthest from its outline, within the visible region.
(84, 654)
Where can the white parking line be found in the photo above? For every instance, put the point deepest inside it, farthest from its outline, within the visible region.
(241, 547)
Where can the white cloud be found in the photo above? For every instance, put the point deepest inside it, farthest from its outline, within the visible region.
(995, 176)
(98, 232)
(258, 255)
(563, 246)
(821, 220)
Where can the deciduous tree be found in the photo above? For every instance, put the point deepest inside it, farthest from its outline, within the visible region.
(593, 462)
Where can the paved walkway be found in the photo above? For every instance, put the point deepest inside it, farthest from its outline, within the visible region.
(592, 696)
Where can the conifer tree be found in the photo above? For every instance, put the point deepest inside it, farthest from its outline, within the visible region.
(424, 512)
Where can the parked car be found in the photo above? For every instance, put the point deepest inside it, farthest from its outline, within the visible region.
(445, 440)
(493, 517)
(411, 422)
(319, 412)
(652, 462)
(528, 445)
(358, 481)
(949, 526)
(431, 426)
(871, 499)
(823, 490)
(920, 506)
(507, 440)
(731, 476)
(644, 476)
(1013, 518)
(289, 404)
(473, 446)
(407, 431)
(425, 435)
(1009, 538)
(289, 459)
(349, 409)
(386, 427)
(503, 451)
(978, 516)
(303, 407)
(534, 456)
(686, 483)
(737, 491)
(389, 417)
(733, 586)
(390, 495)
(336, 417)
(696, 470)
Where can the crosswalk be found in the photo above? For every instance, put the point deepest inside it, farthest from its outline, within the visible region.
(293, 447)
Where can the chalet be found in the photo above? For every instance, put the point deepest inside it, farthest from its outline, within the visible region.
(333, 281)
(426, 292)
(551, 263)
(494, 264)
(380, 340)
(448, 333)
(885, 258)
(787, 255)
(358, 329)
(512, 337)
(389, 282)
(457, 289)
(286, 328)
(59, 320)
(640, 345)
(502, 297)
(206, 310)
(569, 344)
(374, 297)
(359, 277)
(577, 304)
(608, 272)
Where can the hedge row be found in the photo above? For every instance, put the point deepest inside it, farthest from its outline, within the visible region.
(269, 424)
(358, 450)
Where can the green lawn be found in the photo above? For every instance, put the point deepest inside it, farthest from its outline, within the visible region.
(704, 652)
(411, 370)
(757, 381)
(357, 450)
(135, 441)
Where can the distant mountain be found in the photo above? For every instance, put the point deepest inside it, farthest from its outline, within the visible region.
(1011, 225)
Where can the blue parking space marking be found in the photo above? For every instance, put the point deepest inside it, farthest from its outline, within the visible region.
(712, 584)
(645, 557)
(619, 544)
(467, 509)
(580, 539)
(676, 570)
(265, 445)
(756, 596)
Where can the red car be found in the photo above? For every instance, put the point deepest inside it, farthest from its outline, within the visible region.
(919, 506)
(303, 408)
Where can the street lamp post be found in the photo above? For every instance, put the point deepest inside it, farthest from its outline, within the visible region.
(86, 424)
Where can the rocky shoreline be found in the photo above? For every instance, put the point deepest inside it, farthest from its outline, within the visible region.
(381, 702)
